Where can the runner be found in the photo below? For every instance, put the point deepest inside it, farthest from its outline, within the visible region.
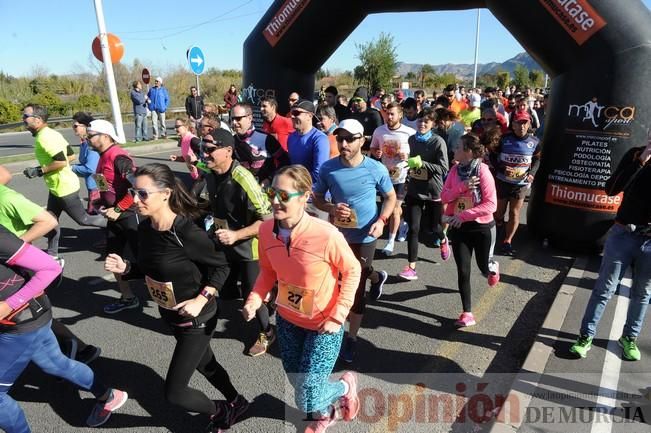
(353, 181)
(428, 167)
(238, 208)
(176, 257)
(190, 149)
(390, 144)
(88, 158)
(273, 123)
(469, 193)
(306, 256)
(52, 152)
(26, 335)
(515, 160)
(114, 170)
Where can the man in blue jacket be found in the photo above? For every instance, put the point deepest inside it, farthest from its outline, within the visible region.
(159, 100)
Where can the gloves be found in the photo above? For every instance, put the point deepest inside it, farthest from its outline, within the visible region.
(415, 162)
(32, 172)
(201, 166)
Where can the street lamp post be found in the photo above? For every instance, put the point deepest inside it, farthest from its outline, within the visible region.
(474, 78)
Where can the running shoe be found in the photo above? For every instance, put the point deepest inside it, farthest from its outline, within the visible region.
(507, 249)
(61, 261)
(227, 414)
(350, 401)
(630, 350)
(348, 350)
(408, 273)
(89, 354)
(103, 409)
(321, 425)
(122, 304)
(493, 273)
(262, 343)
(465, 319)
(388, 249)
(582, 345)
(437, 243)
(375, 290)
(445, 249)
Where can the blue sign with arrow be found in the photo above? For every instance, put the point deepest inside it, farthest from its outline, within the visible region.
(196, 60)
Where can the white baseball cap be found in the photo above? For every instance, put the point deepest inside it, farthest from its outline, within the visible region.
(475, 100)
(350, 125)
(104, 127)
(159, 79)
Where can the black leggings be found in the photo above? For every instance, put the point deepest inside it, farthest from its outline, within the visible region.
(416, 209)
(475, 237)
(365, 251)
(248, 274)
(72, 205)
(193, 352)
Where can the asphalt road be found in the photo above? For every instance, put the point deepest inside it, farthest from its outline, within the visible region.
(408, 344)
(20, 143)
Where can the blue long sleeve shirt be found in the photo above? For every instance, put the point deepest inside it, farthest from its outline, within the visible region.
(88, 159)
(310, 150)
(159, 99)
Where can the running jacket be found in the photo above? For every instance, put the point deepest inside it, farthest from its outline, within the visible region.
(455, 192)
(309, 264)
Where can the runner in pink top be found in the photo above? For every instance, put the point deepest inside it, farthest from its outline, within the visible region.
(469, 193)
(184, 130)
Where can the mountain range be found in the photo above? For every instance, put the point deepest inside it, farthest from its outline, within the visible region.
(467, 70)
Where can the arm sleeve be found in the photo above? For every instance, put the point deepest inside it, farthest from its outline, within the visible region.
(342, 259)
(488, 204)
(626, 169)
(166, 98)
(32, 259)
(203, 250)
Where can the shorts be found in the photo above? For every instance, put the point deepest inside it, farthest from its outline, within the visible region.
(364, 253)
(401, 190)
(509, 191)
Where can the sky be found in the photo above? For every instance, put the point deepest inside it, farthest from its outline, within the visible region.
(56, 36)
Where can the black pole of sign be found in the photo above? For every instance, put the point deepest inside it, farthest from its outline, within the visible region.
(595, 51)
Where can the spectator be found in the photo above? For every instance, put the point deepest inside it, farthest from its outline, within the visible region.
(159, 100)
(410, 109)
(88, 158)
(328, 123)
(370, 119)
(139, 101)
(194, 106)
(472, 113)
(230, 97)
(332, 100)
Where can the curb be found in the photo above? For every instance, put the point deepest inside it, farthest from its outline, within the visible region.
(534, 364)
(17, 167)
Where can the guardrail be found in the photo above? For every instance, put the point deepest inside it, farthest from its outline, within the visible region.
(56, 120)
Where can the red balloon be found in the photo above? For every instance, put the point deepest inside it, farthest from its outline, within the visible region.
(116, 48)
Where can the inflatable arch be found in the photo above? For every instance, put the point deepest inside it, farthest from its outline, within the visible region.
(596, 51)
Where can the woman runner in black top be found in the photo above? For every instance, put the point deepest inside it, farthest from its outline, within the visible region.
(182, 270)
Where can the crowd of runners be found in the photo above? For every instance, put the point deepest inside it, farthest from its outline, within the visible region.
(288, 217)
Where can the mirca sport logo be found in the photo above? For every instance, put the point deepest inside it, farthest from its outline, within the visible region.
(602, 116)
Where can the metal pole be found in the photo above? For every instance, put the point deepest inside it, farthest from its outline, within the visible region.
(546, 81)
(108, 70)
(474, 78)
(198, 89)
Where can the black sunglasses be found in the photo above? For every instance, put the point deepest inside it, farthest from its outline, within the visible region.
(89, 136)
(238, 118)
(347, 138)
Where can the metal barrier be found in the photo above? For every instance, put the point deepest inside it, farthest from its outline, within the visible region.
(55, 120)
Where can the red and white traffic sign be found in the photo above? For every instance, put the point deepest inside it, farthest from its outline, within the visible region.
(146, 76)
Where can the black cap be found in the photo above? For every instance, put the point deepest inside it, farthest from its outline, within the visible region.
(221, 138)
(304, 104)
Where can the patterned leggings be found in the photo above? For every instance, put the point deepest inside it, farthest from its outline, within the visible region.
(308, 358)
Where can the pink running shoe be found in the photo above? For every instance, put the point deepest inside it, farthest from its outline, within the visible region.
(445, 249)
(493, 273)
(408, 274)
(465, 319)
(103, 409)
(350, 401)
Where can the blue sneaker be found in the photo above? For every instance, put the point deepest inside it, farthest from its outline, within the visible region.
(376, 288)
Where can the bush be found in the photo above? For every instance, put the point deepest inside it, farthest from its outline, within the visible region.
(9, 112)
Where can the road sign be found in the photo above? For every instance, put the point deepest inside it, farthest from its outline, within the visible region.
(196, 60)
(146, 76)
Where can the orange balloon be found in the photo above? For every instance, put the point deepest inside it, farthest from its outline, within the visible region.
(116, 48)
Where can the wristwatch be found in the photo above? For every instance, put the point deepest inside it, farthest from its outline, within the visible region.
(117, 209)
(206, 294)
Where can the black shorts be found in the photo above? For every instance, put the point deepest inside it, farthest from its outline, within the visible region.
(509, 191)
(401, 190)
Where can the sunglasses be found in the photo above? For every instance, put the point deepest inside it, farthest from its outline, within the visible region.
(238, 118)
(27, 116)
(282, 196)
(89, 136)
(347, 138)
(297, 113)
(177, 126)
(77, 125)
(142, 194)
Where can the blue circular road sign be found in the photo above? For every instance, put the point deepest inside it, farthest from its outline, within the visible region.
(196, 60)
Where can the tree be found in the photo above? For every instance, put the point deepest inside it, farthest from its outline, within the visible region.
(537, 78)
(9, 112)
(378, 62)
(426, 72)
(503, 79)
(521, 76)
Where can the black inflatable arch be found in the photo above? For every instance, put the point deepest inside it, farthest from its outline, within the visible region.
(596, 51)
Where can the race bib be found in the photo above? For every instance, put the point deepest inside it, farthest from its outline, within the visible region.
(347, 223)
(297, 299)
(391, 146)
(418, 173)
(462, 204)
(514, 173)
(221, 224)
(102, 183)
(395, 172)
(161, 293)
